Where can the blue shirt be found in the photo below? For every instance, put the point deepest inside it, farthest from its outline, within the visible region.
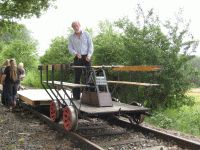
(82, 45)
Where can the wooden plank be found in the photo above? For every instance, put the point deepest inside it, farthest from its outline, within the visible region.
(66, 84)
(129, 68)
(136, 68)
(26, 100)
(34, 96)
(40, 96)
(132, 83)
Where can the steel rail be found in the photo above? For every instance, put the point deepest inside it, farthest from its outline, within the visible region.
(86, 144)
(83, 143)
(180, 141)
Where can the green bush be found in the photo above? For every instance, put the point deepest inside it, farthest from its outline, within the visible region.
(161, 120)
(32, 79)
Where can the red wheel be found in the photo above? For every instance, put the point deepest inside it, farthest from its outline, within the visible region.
(54, 111)
(137, 118)
(70, 120)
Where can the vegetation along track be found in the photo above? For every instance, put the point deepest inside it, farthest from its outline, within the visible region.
(117, 134)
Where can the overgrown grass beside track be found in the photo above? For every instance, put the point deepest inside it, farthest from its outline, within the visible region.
(185, 119)
(32, 79)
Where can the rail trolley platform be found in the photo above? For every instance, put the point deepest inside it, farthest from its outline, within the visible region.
(115, 109)
(37, 97)
(96, 98)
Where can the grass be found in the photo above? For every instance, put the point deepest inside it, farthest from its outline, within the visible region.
(185, 119)
(32, 79)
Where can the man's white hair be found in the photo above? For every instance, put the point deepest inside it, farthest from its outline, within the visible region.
(75, 22)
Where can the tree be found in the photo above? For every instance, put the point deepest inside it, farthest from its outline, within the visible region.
(57, 52)
(143, 46)
(194, 73)
(17, 43)
(109, 47)
(10, 9)
(11, 30)
(148, 44)
(23, 52)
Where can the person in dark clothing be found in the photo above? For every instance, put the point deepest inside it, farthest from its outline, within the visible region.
(81, 46)
(9, 79)
(5, 64)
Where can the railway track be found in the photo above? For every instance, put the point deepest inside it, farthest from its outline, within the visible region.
(181, 142)
(116, 134)
(83, 143)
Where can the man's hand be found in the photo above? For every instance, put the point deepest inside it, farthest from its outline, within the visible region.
(78, 55)
(87, 59)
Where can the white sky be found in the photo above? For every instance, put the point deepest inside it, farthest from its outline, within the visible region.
(55, 22)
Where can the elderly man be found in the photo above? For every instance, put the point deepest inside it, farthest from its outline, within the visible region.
(81, 46)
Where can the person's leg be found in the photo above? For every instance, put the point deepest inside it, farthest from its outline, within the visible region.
(77, 78)
(76, 91)
(14, 93)
(8, 95)
(18, 86)
(2, 96)
(86, 71)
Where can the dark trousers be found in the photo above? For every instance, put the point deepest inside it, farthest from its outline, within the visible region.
(3, 96)
(78, 72)
(9, 93)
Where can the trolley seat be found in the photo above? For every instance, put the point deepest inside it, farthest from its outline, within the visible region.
(132, 83)
(66, 84)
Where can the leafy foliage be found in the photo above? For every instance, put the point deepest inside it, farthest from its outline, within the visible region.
(109, 47)
(32, 79)
(57, 53)
(22, 52)
(23, 9)
(11, 30)
(194, 73)
(17, 43)
(145, 43)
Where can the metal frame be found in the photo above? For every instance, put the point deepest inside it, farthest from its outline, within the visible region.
(52, 86)
(95, 80)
